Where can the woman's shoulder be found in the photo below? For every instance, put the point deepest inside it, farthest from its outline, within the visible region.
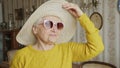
(22, 51)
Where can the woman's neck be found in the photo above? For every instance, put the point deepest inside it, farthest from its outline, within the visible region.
(43, 46)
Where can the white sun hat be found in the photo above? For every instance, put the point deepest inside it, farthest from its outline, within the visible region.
(52, 7)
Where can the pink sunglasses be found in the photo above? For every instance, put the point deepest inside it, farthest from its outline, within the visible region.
(49, 24)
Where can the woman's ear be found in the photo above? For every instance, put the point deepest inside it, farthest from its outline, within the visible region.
(34, 29)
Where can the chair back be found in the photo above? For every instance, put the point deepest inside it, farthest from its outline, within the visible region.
(96, 64)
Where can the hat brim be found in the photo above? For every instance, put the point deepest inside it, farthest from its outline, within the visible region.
(53, 7)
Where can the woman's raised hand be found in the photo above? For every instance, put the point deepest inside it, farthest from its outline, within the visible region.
(73, 9)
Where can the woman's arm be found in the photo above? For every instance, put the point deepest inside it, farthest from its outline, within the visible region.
(94, 44)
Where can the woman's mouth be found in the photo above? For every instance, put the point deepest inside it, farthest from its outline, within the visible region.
(53, 35)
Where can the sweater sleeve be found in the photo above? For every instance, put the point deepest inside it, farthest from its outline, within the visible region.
(17, 61)
(93, 46)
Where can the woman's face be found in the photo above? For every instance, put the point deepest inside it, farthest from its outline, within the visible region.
(48, 29)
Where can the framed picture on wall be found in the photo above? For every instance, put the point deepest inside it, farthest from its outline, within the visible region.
(97, 19)
(19, 14)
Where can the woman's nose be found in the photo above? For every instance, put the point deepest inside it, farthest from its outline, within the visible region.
(54, 28)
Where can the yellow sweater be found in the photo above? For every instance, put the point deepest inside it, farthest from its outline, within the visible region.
(62, 55)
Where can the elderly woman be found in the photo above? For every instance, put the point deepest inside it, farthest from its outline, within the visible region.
(46, 34)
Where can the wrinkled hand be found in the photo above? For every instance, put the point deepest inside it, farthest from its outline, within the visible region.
(73, 9)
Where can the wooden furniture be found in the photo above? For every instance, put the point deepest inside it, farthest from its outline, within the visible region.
(9, 41)
(75, 65)
(10, 54)
(4, 65)
(96, 64)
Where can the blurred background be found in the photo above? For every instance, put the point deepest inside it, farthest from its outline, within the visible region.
(104, 13)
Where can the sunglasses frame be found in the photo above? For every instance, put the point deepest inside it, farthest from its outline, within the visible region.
(58, 25)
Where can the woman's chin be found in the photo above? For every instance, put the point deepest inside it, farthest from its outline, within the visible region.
(52, 40)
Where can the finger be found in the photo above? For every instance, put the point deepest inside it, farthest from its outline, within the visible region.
(69, 8)
(65, 5)
(69, 5)
(73, 13)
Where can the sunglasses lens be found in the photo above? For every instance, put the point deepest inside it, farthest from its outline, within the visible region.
(48, 24)
(59, 26)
